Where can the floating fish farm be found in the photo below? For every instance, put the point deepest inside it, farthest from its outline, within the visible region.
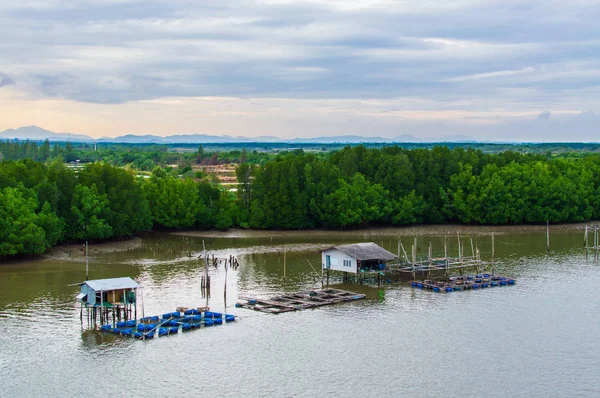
(463, 282)
(167, 324)
(299, 301)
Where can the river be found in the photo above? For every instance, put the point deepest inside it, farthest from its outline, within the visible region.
(538, 338)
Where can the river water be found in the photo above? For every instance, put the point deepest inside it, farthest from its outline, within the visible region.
(540, 337)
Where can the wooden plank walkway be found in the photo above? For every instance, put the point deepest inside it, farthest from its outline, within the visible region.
(299, 301)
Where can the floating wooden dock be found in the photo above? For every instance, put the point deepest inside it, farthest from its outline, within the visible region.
(299, 301)
(463, 282)
(183, 319)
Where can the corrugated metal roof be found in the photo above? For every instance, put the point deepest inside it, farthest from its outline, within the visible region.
(366, 251)
(112, 284)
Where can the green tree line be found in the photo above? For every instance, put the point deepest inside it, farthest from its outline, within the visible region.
(44, 204)
(393, 186)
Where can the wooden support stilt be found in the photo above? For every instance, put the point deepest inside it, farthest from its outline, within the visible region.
(284, 259)
(472, 248)
(446, 254)
(458, 239)
(585, 242)
(548, 235)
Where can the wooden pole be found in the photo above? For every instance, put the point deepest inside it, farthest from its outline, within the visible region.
(458, 239)
(284, 258)
(430, 253)
(585, 242)
(101, 307)
(415, 249)
(596, 244)
(86, 261)
(493, 249)
(414, 260)
(446, 254)
(548, 235)
(472, 248)
(404, 251)
(462, 256)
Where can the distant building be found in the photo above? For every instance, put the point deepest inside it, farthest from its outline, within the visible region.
(355, 258)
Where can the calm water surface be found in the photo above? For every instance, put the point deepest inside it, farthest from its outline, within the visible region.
(538, 338)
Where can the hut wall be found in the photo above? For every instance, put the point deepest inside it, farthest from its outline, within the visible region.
(338, 261)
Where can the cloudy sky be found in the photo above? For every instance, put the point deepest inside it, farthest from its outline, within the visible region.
(496, 70)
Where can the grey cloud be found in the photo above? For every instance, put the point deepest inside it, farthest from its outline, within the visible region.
(544, 116)
(105, 52)
(5, 81)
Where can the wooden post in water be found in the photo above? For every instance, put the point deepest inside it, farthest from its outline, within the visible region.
(458, 239)
(101, 307)
(596, 244)
(414, 259)
(415, 250)
(462, 256)
(284, 258)
(404, 251)
(446, 254)
(548, 235)
(472, 248)
(585, 242)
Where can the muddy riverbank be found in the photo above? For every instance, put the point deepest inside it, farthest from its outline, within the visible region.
(414, 230)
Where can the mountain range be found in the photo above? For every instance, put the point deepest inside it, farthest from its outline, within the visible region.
(39, 134)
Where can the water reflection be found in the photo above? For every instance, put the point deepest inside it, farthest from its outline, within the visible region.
(528, 331)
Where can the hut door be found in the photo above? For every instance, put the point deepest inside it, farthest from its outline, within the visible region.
(327, 261)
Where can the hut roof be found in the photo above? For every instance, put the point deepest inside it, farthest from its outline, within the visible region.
(366, 251)
(112, 284)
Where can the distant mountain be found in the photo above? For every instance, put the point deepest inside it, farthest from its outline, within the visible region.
(134, 139)
(459, 138)
(452, 138)
(407, 138)
(343, 139)
(37, 133)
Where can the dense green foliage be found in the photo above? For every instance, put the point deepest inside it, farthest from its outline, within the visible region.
(394, 186)
(42, 204)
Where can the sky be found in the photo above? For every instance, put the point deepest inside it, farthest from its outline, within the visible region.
(487, 69)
